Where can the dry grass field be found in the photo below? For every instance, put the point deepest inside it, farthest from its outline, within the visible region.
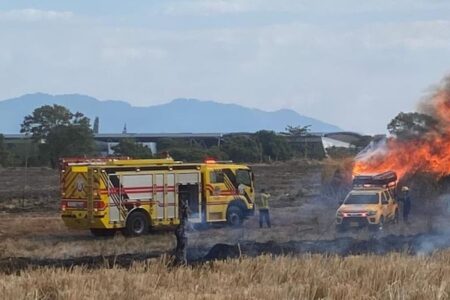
(393, 276)
(30, 227)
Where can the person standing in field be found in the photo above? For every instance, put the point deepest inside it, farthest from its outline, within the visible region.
(406, 199)
(263, 208)
(180, 234)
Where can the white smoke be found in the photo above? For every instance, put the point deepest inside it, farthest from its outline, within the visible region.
(376, 148)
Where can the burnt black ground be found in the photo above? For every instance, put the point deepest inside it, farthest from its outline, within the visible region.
(420, 244)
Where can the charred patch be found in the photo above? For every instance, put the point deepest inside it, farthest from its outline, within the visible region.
(413, 245)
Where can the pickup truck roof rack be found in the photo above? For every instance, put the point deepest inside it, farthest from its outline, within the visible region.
(384, 179)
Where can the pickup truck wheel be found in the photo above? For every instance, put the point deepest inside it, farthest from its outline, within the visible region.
(137, 224)
(234, 216)
(377, 227)
(381, 224)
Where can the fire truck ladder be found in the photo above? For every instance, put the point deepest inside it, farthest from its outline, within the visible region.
(115, 197)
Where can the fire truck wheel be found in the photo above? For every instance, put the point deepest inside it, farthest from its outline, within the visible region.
(137, 224)
(234, 216)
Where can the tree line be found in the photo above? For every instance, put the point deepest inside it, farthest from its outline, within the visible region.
(56, 132)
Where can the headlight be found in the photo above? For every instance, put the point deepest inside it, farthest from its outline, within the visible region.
(339, 214)
(371, 212)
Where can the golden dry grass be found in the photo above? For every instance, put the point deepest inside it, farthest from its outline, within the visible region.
(394, 276)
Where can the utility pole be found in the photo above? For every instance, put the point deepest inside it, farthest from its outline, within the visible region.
(25, 185)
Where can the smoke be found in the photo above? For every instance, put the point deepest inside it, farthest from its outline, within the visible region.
(377, 147)
(437, 104)
(425, 149)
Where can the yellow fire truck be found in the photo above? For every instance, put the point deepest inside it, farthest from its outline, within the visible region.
(106, 195)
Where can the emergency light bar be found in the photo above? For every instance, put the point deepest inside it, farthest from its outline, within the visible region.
(213, 161)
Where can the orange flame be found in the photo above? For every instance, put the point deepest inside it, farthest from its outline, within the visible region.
(430, 153)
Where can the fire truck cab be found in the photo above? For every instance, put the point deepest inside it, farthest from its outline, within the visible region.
(133, 196)
(371, 202)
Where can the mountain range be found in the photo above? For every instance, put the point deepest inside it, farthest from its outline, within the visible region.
(177, 116)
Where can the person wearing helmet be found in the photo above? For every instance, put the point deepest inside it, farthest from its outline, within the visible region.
(406, 199)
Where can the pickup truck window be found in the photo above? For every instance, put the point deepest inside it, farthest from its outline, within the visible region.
(362, 199)
(384, 198)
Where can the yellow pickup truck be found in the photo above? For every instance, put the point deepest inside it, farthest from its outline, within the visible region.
(371, 203)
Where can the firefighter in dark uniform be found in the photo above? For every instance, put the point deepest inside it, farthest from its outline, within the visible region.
(406, 199)
(180, 234)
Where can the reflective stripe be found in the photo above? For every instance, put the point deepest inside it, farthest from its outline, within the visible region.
(263, 201)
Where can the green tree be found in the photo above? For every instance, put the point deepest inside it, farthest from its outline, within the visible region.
(59, 132)
(274, 147)
(411, 125)
(69, 140)
(190, 150)
(4, 153)
(298, 130)
(241, 148)
(129, 147)
(43, 119)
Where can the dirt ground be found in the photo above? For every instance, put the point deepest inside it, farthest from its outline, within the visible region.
(30, 225)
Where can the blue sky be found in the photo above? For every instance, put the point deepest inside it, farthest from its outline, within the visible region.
(352, 63)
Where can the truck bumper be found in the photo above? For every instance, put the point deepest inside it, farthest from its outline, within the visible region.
(357, 221)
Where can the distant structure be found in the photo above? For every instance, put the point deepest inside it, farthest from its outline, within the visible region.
(96, 125)
(347, 137)
(124, 130)
(315, 144)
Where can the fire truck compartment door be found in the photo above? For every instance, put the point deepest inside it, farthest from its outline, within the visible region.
(128, 188)
(114, 198)
(169, 202)
(189, 186)
(137, 187)
(158, 190)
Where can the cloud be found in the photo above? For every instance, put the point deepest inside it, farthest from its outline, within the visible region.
(414, 35)
(323, 67)
(219, 7)
(227, 7)
(125, 55)
(33, 15)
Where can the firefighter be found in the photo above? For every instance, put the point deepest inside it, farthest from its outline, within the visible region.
(406, 199)
(241, 189)
(180, 234)
(263, 207)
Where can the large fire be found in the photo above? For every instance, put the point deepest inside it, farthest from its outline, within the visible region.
(427, 153)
